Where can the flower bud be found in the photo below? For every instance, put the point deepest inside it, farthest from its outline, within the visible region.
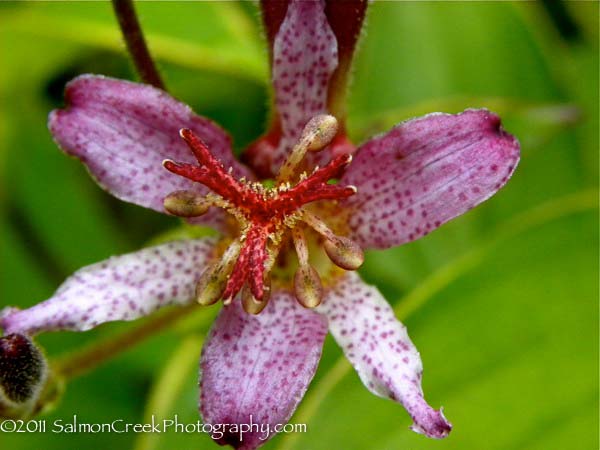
(308, 287)
(23, 372)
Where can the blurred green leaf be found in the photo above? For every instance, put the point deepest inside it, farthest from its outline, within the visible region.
(543, 120)
(229, 46)
(167, 387)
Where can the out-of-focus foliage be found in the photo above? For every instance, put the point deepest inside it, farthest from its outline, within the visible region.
(502, 303)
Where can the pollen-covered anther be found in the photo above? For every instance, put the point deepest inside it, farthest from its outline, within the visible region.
(186, 204)
(317, 134)
(308, 287)
(307, 283)
(342, 251)
(250, 303)
(213, 281)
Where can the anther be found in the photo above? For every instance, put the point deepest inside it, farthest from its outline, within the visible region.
(317, 134)
(186, 204)
(308, 287)
(250, 303)
(212, 282)
(307, 283)
(343, 252)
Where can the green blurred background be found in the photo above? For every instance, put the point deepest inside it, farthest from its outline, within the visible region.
(502, 302)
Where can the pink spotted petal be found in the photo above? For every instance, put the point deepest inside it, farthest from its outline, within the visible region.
(377, 345)
(121, 288)
(425, 172)
(255, 369)
(122, 131)
(304, 58)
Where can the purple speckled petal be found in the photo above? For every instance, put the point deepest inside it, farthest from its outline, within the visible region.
(122, 131)
(425, 172)
(255, 369)
(304, 58)
(379, 348)
(121, 288)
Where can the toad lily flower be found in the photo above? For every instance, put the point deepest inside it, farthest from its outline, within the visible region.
(280, 293)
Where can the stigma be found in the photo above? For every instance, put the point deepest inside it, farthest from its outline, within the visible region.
(267, 218)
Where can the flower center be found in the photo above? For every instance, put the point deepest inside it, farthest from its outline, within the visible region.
(265, 216)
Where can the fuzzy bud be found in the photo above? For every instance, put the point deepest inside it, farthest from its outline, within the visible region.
(23, 372)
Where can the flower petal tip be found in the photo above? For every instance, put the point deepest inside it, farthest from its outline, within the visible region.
(123, 287)
(425, 172)
(432, 424)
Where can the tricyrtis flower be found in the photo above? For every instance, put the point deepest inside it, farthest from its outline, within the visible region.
(301, 196)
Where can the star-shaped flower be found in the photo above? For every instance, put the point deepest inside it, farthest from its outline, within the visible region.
(280, 294)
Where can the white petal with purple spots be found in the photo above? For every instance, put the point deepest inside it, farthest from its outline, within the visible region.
(378, 346)
(304, 58)
(259, 366)
(121, 288)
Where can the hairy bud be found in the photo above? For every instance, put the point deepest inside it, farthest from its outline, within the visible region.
(23, 372)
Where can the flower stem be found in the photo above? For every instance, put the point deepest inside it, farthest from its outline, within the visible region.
(95, 354)
(136, 44)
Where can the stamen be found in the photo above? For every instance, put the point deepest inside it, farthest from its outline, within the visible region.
(307, 283)
(265, 215)
(250, 303)
(213, 281)
(317, 134)
(343, 252)
(186, 204)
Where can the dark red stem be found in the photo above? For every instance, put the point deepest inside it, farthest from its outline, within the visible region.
(136, 44)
